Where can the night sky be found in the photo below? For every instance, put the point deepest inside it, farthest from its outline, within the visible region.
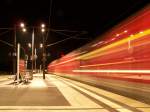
(82, 19)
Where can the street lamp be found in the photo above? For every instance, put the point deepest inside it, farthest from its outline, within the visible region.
(42, 25)
(14, 54)
(43, 46)
(33, 53)
(43, 30)
(22, 25)
(29, 45)
(24, 30)
(32, 50)
(17, 50)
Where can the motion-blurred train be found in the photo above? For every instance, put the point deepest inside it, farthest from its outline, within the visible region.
(118, 61)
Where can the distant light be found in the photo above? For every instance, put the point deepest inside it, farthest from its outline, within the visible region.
(94, 45)
(24, 30)
(113, 39)
(131, 35)
(41, 45)
(100, 42)
(106, 42)
(43, 30)
(97, 44)
(43, 25)
(117, 35)
(141, 32)
(29, 45)
(125, 31)
(113, 71)
(22, 25)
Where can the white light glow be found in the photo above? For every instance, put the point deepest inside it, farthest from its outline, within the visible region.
(29, 45)
(131, 35)
(94, 45)
(24, 30)
(125, 31)
(22, 25)
(114, 71)
(117, 35)
(41, 45)
(43, 30)
(113, 39)
(141, 32)
(38, 83)
(43, 25)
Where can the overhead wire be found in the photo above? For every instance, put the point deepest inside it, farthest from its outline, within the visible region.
(3, 33)
(6, 43)
(69, 37)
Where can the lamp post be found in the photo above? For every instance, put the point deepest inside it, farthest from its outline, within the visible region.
(32, 50)
(24, 30)
(15, 46)
(14, 54)
(33, 58)
(44, 46)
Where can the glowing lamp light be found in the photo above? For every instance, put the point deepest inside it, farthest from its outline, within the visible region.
(43, 25)
(113, 39)
(29, 45)
(41, 45)
(141, 32)
(117, 35)
(22, 25)
(125, 31)
(43, 30)
(24, 30)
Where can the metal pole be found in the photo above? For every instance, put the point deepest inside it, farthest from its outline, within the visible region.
(35, 55)
(44, 57)
(14, 54)
(18, 60)
(32, 51)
